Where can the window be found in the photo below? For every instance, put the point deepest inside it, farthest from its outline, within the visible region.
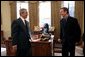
(44, 13)
(70, 5)
(22, 4)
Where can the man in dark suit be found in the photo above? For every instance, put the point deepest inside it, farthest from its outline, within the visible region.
(69, 32)
(20, 34)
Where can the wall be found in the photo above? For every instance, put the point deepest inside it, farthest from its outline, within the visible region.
(55, 7)
(13, 10)
(33, 14)
(6, 20)
(79, 14)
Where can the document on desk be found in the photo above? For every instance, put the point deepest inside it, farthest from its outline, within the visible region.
(35, 40)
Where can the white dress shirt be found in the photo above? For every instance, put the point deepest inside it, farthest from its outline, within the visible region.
(23, 19)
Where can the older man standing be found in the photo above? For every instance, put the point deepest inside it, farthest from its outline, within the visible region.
(20, 34)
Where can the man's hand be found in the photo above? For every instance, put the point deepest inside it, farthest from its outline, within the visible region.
(14, 49)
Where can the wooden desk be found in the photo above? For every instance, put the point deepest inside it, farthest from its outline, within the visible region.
(2, 37)
(9, 49)
(42, 48)
(39, 32)
(39, 48)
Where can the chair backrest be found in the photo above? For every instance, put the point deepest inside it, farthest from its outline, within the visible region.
(9, 48)
(2, 37)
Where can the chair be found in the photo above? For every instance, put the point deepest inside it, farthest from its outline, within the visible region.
(2, 37)
(57, 48)
(9, 49)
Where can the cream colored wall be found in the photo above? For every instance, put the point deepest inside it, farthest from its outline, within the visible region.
(6, 19)
(83, 19)
(79, 14)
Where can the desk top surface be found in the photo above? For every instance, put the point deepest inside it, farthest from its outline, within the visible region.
(41, 41)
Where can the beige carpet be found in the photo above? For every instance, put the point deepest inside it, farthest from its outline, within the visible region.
(78, 52)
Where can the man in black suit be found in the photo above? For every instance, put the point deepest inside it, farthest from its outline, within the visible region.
(20, 34)
(69, 32)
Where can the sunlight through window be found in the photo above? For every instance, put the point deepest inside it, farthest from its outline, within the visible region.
(44, 13)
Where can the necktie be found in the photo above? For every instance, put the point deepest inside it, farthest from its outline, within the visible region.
(27, 32)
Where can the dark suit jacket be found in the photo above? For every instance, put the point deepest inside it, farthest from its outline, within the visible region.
(70, 30)
(20, 34)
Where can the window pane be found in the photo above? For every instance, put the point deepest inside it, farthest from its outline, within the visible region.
(44, 13)
(22, 4)
(71, 7)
